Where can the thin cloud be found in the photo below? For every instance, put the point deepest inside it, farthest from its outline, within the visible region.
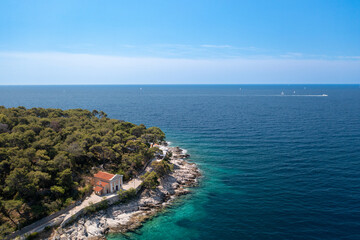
(292, 55)
(187, 51)
(69, 68)
(230, 47)
(215, 46)
(349, 57)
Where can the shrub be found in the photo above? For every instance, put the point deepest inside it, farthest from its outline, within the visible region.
(150, 180)
(92, 208)
(168, 156)
(47, 228)
(131, 193)
(86, 190)
(126, 195)
(5, 229)
(68, 201)
(162, 167)
(32, 236)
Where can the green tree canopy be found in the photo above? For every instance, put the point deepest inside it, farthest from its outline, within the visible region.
(46, 155)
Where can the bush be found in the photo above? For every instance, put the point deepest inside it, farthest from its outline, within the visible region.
(102, 205)
(5, 229)
(92, 208)
(68, 201)
(32, 236)
(162, 167)
(168, 156)
(131, 193)
(86, 190)
(126, 195)
(47, 228)
(150, 180)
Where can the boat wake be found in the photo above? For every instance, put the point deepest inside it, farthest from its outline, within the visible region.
(322, 95)
(284, 95)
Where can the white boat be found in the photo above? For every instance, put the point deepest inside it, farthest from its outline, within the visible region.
(282, 93)
(324, 95)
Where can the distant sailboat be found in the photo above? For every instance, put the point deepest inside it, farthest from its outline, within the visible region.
(294, 92)
(282, 93)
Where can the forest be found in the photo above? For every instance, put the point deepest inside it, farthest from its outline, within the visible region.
(47, 157)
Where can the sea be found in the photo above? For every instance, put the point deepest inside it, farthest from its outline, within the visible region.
(278, 161)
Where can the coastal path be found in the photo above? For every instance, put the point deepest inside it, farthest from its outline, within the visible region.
(62, 218)
(92, 199)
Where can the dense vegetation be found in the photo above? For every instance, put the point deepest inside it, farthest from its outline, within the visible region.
(47, 156)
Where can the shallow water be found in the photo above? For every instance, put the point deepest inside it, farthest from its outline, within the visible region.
(275, 167)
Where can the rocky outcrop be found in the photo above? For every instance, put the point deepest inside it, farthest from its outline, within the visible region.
(129, 216)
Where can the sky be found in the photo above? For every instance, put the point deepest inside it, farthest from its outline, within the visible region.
(179, 42)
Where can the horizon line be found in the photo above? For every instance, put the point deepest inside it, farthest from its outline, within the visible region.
(177, 84)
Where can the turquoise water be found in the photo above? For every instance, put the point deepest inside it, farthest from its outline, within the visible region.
(275, 167)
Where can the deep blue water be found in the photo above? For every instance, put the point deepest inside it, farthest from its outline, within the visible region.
(275, 167)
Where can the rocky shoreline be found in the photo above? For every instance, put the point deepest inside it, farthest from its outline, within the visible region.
(130, 216)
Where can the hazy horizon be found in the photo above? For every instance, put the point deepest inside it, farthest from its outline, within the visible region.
(188, 84)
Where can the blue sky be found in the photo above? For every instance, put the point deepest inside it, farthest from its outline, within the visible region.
(172, 42)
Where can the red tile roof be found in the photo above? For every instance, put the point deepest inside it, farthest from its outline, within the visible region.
(104, 175)
(102, 183)
(98, 189)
